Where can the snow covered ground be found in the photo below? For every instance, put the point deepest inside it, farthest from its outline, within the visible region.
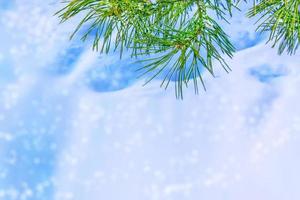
(78, 126)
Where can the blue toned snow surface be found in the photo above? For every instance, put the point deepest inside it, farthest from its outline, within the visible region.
(66, 60)
(6, 4)
(76, 125)
(266, 73)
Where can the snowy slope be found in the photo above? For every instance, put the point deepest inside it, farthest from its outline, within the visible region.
(70, 131)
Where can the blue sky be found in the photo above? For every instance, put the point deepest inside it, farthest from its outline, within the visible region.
(78, 125)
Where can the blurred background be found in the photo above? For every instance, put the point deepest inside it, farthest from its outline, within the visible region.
(76, 125)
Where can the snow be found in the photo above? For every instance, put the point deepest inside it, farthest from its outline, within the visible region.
(63, 138)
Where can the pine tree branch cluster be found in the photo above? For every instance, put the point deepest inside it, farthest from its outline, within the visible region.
(180, 37)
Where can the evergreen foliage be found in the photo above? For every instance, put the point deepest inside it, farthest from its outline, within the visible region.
(281, 19)
(181, 37)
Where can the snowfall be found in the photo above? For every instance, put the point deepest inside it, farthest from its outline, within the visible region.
(77, 125)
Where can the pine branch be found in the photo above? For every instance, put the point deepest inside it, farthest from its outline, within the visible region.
(179, 36)
(281, 19)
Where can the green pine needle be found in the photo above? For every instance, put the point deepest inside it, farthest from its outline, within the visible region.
(281, 19)
(179, 36)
